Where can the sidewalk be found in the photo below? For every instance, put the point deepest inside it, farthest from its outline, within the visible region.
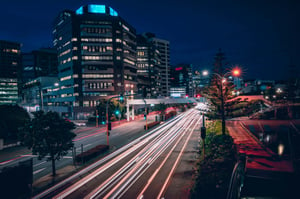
(261, 160)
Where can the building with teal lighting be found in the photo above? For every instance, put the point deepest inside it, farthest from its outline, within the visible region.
(10, 62)
(96, 57)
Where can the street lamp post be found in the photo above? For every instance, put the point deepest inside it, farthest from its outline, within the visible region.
(222, 78)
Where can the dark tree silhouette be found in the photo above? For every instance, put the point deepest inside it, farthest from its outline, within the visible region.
(220, 90)
(48, 134)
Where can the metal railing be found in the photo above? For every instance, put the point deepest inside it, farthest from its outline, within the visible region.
(237, 179)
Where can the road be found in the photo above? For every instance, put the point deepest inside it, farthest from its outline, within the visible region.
(87, 137)
(143, 168)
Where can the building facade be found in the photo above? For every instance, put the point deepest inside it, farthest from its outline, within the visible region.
(182, 81)
(10, 61)
(96, 57)
(148, 64)
(42, 62)
(163, 46)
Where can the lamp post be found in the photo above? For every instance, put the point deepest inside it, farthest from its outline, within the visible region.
(222, 78)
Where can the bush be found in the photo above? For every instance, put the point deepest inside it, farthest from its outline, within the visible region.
(170, 114)
(91, 153)
(215, 170)
(12, 118)
(152, 124)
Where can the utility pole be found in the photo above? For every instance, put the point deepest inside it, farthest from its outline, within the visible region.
(97, 118)
(203, 134)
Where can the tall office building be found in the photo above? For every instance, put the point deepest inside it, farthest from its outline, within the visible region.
(42, 62)
(182, 81)
(96, 56)
(10, 58)
(163, 46)
(148, 64)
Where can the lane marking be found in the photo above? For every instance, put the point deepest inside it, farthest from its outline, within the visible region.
(38, 171)
(39, 163)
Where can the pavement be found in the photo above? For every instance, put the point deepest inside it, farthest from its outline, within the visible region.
(260, 158)
(267, 175)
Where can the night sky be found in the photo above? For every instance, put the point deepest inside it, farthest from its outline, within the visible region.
(262, 36)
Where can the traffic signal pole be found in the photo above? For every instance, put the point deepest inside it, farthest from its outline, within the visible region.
(108, 124)
(97, 118)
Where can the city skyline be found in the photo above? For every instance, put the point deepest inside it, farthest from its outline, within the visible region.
(261, 38)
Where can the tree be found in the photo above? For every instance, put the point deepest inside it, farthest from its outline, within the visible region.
(12, 117)
(48, 134)
(220, 90)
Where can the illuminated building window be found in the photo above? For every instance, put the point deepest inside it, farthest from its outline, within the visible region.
(65, 78)
(98, 9)
(112, 12)
(79, 11)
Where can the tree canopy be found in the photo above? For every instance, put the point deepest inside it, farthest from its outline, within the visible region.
(12, 117)
(48, 134)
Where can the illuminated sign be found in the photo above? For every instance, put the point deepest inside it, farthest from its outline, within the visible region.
(96, 9)
(112, 12)
(79, 11)
(178, 68)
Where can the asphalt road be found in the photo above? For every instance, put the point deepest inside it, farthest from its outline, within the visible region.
(87, 138)
(143, 168)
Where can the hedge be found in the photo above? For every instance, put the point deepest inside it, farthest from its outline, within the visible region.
(91, 153)
(152, 124)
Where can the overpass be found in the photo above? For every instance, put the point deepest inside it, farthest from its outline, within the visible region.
(133, 102)
(252, 97)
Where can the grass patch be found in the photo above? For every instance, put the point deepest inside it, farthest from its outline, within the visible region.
(214, 171)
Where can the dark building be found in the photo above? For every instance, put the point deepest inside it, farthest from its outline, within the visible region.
(148, 64)
(182, 81)
(10, 58)
(42, 62)
(163, 46)
(96, 56)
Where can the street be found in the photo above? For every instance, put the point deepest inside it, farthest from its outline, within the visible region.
(143, 168)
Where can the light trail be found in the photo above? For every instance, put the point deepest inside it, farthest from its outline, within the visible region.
(131, 177)
(116, 157)
(161, 165)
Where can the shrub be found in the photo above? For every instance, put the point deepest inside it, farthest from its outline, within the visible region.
(215, 170)
(152, 124)
(91, 153)
(170, 114)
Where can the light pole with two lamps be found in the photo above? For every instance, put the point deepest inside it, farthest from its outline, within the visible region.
(221, 79)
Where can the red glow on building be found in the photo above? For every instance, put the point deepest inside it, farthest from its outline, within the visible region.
(178, 68)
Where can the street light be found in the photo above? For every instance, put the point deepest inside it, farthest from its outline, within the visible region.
(222, 78)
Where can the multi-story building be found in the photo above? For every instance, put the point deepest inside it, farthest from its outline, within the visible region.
(201, 79)
(42, 62)
(148, 64)
(10, 58)
(96, 56)
(182, 81)
(163, 46)
(37, 94)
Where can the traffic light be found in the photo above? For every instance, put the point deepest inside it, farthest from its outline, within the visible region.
(121, 98)
(103, 120)
(144, 92)
(145, 116)
(109, 126)
(117, 112)
(203, 132)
